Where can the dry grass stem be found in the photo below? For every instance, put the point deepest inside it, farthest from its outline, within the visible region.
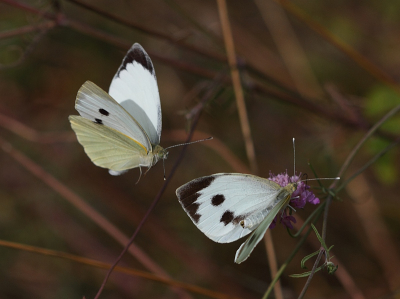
(237, 85)
(355, 56)
(367, 209)
(125, 270)
(81, 205)
(289, 47)
(244, 120)
(341, 273)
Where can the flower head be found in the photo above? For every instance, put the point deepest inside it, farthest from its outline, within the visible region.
(299, 197)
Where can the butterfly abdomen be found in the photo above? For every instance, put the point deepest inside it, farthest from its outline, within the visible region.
(254, 220)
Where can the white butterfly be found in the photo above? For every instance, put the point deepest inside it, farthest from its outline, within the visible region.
(122, 129)
(228, 206)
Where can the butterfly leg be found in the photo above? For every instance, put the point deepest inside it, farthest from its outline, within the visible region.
(147, 170)
(140, 175)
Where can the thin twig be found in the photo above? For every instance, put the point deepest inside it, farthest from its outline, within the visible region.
(147, 30)
(80, 204)
(102, 265)
(244, 123)
(216, 145)
(289, 47)
(290, 257)
(340, 174)
(189, 17)
(237, 85)
(33, 135)
(362, 141)
(290, 97)
(273, 263)
(377, 231)
(341, 273)
(368, 164)
(307, 284)
(357, 57)
(27, 29)
(156, 199)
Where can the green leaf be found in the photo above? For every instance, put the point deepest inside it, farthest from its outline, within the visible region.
(305, 274)
(306, 258)
(319, 237)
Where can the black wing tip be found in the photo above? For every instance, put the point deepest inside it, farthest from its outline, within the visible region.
(137, 46)
(138, 54)
(189, 193)
(194, 186)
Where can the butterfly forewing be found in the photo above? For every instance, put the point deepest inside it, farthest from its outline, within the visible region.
(217, 203)
(96, 105)
(134, 86)
(105, 146)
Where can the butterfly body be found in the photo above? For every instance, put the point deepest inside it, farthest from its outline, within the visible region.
(122, 129)
(255, 219)
(229, 206)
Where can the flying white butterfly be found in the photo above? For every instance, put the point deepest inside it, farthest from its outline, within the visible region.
(122, 129)
(229, 206)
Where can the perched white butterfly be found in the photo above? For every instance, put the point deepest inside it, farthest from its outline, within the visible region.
(122, 129)
(229, 206)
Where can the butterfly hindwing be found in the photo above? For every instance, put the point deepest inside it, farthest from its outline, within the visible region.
(217, 203)
(95, 104)
(134, 87)
(247, 247)
(105, 146)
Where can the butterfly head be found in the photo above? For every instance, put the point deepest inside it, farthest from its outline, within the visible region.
(291, 187)
(160, 153)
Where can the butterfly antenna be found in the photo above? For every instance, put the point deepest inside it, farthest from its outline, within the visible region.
(201, 140)
(294, 158)
(316, 179)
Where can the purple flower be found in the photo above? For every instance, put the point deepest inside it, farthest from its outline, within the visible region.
(287, 219)
(299, 197)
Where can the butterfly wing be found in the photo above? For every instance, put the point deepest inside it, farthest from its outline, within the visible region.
(247, 247)
(107, 147)
(217, 203)
(134, 87)
(96, 105)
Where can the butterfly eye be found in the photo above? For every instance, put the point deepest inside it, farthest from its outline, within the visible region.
(242, 223)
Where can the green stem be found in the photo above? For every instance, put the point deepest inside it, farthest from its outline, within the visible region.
(363, 140)
(321, 206)
(284, 265)
(368, 164)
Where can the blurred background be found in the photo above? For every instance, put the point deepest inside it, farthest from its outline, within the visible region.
(322, 72)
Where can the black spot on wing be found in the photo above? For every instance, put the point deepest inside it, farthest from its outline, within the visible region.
(217, 200)
(227, 217)
(138, 54)
(98, 121)
(194, 187)
(104, 112)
